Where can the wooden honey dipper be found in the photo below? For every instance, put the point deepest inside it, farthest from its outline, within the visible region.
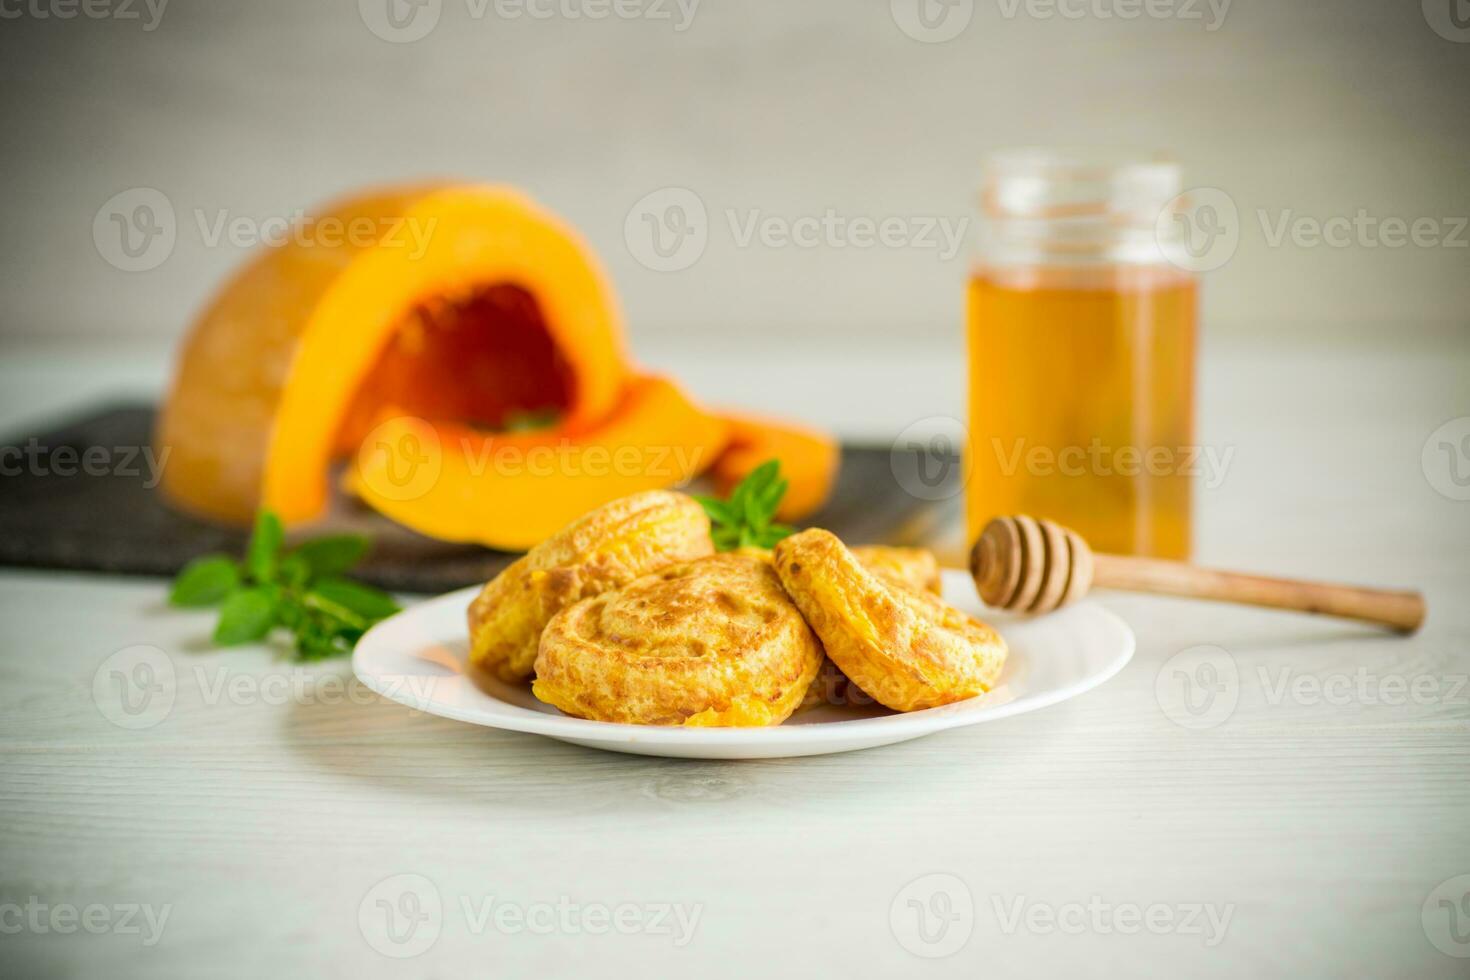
(1029, 565)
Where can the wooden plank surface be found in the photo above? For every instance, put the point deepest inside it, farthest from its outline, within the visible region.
(271, 810)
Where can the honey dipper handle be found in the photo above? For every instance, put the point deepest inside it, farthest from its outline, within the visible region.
(1397, 610)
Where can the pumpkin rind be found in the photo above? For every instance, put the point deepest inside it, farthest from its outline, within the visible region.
(270, 369)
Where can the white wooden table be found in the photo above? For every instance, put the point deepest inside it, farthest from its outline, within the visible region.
(288, 825)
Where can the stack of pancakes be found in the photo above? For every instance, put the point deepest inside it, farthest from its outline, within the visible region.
(628, 615)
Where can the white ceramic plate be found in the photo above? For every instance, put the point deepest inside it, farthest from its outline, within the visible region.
(418, 657)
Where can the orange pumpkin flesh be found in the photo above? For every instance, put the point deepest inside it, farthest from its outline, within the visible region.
(486, 362)
(513, 490)
(809, 460)
(300, 350)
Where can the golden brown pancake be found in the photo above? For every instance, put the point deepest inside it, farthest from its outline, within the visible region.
(915, 567)
(710, 642)
(604, 549)
(906, 648)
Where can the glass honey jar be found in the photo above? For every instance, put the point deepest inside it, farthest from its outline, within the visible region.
(1082, 339)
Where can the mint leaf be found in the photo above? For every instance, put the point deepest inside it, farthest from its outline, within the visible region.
(717, 509)
(756, 517)
(301, 591)
(265, 547)
(773, 533)
(205, 581)
(360, 600)
(770, 496)
(745, 519)
(246, 616)
(294, 572)
(332, 555)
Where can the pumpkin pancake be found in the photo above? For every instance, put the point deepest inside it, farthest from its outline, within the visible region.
(711, 642)
(604, 549)
(915, 567)
(907, 648)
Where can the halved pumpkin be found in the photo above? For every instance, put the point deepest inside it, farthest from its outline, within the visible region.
(450, 302)
(809, 460)
(513, 490)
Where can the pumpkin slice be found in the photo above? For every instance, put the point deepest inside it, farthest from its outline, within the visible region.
(460, 302)
(513, 490)
(809, 460)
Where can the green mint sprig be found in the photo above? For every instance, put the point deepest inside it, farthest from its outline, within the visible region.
(744, 520)
(302, 591)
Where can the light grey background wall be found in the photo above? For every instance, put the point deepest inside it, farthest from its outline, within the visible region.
(774, 108)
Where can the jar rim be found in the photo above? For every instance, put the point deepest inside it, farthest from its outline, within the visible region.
(1075, 182)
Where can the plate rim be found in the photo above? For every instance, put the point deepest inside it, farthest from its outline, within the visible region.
(899, 726)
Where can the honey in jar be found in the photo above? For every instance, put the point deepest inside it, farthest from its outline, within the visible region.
(1081, 354)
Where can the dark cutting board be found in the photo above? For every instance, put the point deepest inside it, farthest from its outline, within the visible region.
(54, 513)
